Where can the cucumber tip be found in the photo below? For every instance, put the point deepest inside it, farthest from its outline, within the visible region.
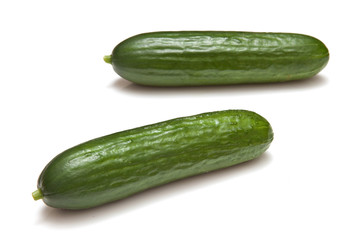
(37, 195)
(107, 58)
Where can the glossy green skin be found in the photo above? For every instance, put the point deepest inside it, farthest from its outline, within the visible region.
(214, 58)
(113, 167)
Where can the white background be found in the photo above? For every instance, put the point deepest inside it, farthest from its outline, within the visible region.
(56, 91)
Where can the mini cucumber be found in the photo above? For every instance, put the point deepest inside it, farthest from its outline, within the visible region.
(189, 58)
(116, 166)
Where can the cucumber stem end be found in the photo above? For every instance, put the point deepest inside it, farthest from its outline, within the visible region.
(107, 59)
(37, 195)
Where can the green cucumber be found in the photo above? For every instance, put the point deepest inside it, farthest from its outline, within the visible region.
(189, 58)
(116, 166)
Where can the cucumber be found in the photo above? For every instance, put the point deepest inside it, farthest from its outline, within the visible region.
(190, 58)
(116, 166)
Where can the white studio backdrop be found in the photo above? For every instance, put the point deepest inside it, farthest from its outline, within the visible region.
(56, 92)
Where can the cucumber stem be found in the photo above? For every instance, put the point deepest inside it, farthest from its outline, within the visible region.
(107, 59)
(37, 195)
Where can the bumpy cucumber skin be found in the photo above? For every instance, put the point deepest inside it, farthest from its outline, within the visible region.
(115, 166)
(189, 58)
